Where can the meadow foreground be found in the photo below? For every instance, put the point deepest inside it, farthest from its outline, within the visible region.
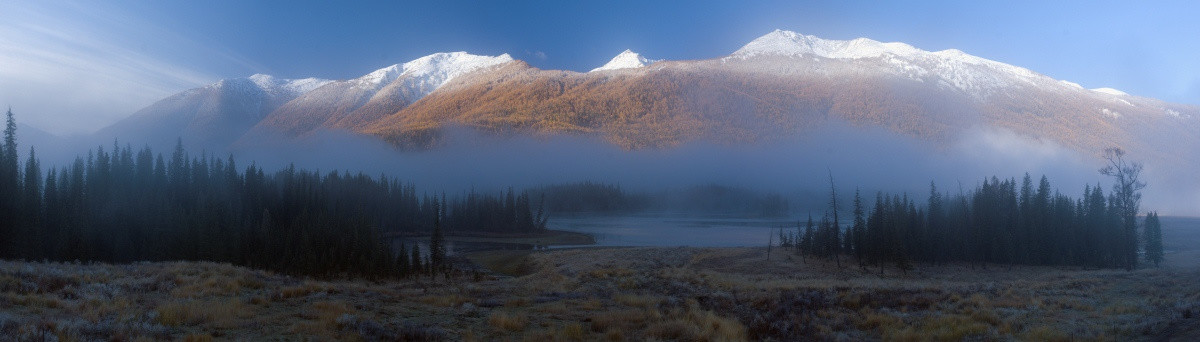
(606, 294)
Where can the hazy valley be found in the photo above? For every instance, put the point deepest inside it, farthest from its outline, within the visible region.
(797, 188)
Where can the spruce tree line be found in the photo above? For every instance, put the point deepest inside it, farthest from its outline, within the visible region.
(121, 205)
(999, 222)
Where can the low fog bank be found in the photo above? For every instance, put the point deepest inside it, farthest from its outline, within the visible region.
(54, 150)
(868, 159)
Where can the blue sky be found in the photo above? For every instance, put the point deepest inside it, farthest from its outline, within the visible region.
(72, 67)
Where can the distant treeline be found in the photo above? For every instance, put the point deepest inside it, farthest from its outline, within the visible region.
(994, 224)
(590, 197)
(121, 205)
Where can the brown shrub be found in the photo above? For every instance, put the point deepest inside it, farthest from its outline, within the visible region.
(219, 313)
(622, 320)
(508, 321)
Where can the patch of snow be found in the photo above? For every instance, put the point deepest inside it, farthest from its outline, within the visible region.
(1174, 113)
(907, 68)
(263, 81)
(626, 60)
(1110, 91)
(305, 85)
(1110, 112)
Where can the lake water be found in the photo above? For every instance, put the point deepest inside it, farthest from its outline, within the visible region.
(674, 230)
(640, 230)
(1180, 233)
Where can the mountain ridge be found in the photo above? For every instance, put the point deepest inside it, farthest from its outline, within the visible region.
(212, 116)
(779, 85)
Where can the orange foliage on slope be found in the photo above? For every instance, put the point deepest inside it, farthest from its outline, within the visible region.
(658, 107)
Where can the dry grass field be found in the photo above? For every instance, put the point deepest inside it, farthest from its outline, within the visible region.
(695, 294)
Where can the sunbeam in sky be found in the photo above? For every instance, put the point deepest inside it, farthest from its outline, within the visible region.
(75, 67)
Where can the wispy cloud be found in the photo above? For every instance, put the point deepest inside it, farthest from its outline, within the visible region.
(536, 54)
(75, 67)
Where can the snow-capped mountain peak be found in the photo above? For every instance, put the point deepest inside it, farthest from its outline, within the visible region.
(436, 69)
(949, 68)
(788, 43)
(626, 60)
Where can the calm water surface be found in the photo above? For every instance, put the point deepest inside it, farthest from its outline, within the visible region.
(674, 229)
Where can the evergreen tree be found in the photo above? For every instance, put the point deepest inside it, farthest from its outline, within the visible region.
(10, 148)
(826, 244)
(437, 248)
(31, 206)
(1152, 236)
(859, 229)
(1042, 231)
(936, 230)
(52, 217)
(1024, 232)
(875, 249)
(9, 188)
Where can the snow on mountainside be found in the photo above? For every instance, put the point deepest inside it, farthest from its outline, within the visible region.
(296, 87)
(791, 43)
(626, 60)
(776, 85)
(1110, 91)
(269, 85)
(351, 103)
(950, 68)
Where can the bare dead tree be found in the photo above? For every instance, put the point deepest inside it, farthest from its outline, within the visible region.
(1126, 199)
(837, 229)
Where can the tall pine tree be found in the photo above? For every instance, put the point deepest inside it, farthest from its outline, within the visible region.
(9, 188)
(437, 244)
(1152, 236)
